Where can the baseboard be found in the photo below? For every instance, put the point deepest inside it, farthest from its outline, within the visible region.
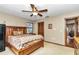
(54, 43)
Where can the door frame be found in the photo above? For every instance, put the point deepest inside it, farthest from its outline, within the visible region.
(43, 27)
(65, 34)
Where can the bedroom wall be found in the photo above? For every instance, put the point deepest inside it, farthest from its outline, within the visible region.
(11, 20)
(56, 34)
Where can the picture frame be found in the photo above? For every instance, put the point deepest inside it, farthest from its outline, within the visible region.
(49, 26)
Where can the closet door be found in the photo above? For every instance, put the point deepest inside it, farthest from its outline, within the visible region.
(41, 28)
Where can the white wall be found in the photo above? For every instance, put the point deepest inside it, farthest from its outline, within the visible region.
(11, 20)
(56, 34)
(35, 26)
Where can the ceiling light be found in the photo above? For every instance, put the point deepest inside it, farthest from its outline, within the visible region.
(35, 13)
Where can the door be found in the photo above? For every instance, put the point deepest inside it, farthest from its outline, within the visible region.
(71, 31)
(41, 28)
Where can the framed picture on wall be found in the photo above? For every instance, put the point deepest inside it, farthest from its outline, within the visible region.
(49, 26)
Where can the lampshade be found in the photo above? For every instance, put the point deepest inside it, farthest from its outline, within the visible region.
(34, 13)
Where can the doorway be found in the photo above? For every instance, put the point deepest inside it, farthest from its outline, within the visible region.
(71, 30)
(41, 28)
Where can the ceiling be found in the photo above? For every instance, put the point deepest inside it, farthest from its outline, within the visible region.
(53, 9)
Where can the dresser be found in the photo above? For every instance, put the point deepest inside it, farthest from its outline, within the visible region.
(76, 45)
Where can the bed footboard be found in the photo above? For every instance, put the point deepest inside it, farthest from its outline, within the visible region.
(29, 49)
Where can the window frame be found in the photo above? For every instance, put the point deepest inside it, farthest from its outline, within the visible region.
(29, 27)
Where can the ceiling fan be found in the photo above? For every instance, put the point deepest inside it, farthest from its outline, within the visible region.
(35, 11)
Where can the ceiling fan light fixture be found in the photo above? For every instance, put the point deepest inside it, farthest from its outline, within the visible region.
(35, 13)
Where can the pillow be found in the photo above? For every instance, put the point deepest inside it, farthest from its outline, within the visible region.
(15, 33)
(20, 32)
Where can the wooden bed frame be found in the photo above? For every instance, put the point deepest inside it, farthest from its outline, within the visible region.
(28, 49)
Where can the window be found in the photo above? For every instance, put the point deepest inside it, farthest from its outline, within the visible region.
(29, 27)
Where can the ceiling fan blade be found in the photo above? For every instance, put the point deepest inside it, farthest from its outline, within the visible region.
(33, 7)
(40, 14)
(31, 15)
(45, 10)
(26, 11)
(36, 9)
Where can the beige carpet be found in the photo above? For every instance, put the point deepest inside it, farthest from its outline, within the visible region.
(49, 49)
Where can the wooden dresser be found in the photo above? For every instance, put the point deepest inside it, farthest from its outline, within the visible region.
(76, 45)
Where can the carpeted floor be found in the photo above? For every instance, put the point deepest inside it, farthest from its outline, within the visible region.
(49, 49)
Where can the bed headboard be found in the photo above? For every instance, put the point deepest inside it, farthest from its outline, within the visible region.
(11, 29)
